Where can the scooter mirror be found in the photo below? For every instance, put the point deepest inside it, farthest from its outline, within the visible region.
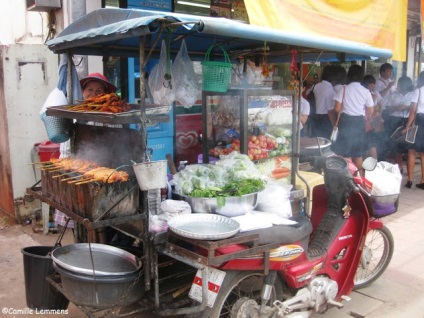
(369, 164)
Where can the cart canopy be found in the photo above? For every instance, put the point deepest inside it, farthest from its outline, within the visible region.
(118, 32)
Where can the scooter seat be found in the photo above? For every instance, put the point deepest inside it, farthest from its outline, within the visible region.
(285, 234)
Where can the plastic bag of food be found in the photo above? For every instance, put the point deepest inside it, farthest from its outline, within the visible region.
(161, 80)
(157, 224)
(173, 208)
(275, 198)
(238, 167)
(187, 90)
(386, 179)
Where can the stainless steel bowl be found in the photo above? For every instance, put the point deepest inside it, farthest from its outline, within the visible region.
(108, 260)
(233, 205)
(315, 147)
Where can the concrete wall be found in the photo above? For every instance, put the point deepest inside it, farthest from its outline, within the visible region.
(18, 25)
(30, 73)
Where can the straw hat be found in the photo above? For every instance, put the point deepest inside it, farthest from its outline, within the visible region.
(99, 78)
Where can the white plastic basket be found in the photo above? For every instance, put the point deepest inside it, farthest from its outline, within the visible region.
(151, 174)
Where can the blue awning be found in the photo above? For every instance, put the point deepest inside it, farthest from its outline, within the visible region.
(117, 32)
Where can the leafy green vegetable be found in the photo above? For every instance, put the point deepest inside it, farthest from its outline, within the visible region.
(233, 189)
(220, 202)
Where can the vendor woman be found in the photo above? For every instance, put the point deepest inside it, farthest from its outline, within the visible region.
(93, 85)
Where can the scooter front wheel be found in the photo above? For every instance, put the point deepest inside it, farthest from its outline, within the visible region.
(376, 256)
(238, 285)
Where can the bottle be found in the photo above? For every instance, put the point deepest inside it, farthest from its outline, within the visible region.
(153, 201)
(182, 165)
(163, 194)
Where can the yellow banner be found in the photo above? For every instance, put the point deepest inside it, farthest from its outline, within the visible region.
(422, 20)
(380, 23)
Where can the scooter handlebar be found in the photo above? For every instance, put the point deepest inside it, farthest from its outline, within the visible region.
(363, 190)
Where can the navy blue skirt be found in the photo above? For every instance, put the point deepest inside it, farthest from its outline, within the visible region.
(419, 139)
(351, 140)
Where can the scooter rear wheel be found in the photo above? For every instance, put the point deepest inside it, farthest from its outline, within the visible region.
(239, 284)
(375, 258)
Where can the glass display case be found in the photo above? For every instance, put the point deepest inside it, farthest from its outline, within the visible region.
(256, 122)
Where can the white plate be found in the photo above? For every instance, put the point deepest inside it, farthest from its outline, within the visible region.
(203, 226)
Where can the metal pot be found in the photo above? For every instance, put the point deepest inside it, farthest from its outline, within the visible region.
(315, 147)
(115, 279)
(233, 205)
(108, 260)
(101, 291)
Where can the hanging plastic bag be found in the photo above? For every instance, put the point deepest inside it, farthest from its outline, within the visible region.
(187, 90)
(161, 80)
(58, 129)
(242, 76)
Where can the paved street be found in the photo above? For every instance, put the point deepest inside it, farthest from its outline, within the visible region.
(398, 293)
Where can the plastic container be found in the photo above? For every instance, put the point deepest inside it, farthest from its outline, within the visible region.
(211, 159)
(47, 150)
(37, 266)
(151, 174)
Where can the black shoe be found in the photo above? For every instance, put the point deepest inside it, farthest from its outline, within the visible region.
(420, 185)
(409, 184)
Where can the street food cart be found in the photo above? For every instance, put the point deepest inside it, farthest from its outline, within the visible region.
(122, 205)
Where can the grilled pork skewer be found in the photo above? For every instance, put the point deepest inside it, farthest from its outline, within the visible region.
(53, 169)
(60, 175)
(40, 163)
(70, 178)
(86, 181)
(79, 180)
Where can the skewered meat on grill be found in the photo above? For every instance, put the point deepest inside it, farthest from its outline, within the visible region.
(90, 170)
(74, 164)
(106, 175)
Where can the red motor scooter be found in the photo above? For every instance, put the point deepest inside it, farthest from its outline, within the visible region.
(344, 245)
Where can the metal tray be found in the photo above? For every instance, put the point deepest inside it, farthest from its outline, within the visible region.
(155, 113)
(203, 226)
(108, 260)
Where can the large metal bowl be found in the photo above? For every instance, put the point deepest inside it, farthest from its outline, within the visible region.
(315, 147)
(108, 260)
(99, 291)
(233, 206)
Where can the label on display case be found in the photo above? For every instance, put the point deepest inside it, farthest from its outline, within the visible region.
(270, 110)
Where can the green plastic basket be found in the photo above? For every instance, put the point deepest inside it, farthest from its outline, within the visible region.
(216, 75)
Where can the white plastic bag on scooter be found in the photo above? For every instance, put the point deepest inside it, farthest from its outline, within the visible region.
(386, 179)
